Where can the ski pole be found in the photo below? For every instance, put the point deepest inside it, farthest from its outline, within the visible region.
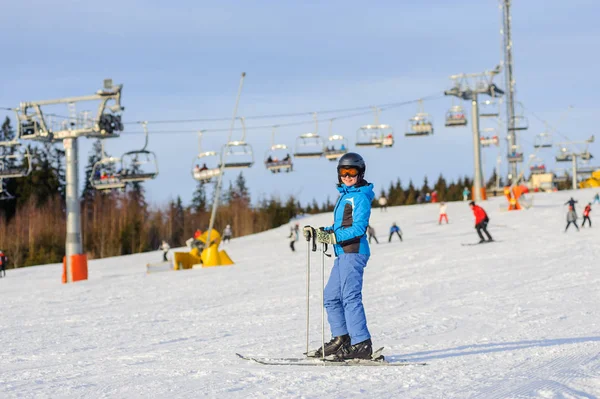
(307, 292)
(308, 234)
(323, 299)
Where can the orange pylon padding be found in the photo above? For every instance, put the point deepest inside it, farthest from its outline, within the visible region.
(79, 268)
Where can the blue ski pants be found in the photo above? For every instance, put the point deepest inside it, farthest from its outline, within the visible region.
(343, 298)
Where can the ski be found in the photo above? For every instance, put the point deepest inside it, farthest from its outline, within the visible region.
(470, 244)
(291, 361)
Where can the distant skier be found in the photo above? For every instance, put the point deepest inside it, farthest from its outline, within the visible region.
(294, 236)
(481, 222)
(371, 234)
(597, 198)
(165, 248)
(571, 203)
(383, 203)
(586, 215)
(343, 293)
(571, 218)
(443, 214)
(466, 193)
(395, 229)
(3, 262)
(227, 233)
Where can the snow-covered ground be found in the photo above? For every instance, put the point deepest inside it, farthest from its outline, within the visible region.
(519, 318)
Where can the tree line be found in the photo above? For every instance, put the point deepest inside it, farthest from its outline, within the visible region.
(33, 223)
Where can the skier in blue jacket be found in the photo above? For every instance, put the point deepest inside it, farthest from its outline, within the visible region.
(343, 293)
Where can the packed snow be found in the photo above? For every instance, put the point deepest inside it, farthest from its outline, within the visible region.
(518, 318)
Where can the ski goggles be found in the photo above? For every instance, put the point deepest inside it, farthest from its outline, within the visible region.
(347, 172)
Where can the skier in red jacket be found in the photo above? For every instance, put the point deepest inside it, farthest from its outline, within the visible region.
(481, 221)
(586, 214)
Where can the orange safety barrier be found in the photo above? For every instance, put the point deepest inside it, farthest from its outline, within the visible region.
(483, 193)
(79, 268)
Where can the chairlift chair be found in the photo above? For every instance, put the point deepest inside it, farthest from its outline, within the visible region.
(238, 154)
(276, 161)
(32, 126)
(564, 155)
(542, 140)
(538, 167)
(15, 164)
(420, 125)
(456, 117)
(489, 109)
(376, 135)
(277, 157)
(205, 166)
(308, 145)
(139, 165)
(336, 147)
(106, 173)
(515, 156)
(520, 123)
(489, 137)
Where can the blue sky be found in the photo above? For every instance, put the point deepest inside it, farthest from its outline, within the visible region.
(182, 60)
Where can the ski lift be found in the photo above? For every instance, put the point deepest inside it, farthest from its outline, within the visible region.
(15, 163)
(489, 137)
(515, 156)
(205, 164)
(106, 173)
(489, 109)
(139, 165)
(339, 147)
(542, 140)
(309, 145)
(455, 117)
(238, 154)
(538, 167)
(32, 126)
(376, 135)
(487, 141)
(336, 145)
(200, 169)
(275, 160)
(564, 155)
(519, 121)
(421, 124)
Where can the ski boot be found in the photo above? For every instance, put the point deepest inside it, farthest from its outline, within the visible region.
(331, 347)
(362, 350)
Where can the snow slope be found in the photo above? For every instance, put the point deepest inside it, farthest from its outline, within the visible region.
(515, 319)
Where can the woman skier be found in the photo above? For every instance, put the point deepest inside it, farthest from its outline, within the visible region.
(343, 293)
(571, 218)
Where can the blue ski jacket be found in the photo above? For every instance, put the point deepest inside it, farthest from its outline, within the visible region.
(351, 218)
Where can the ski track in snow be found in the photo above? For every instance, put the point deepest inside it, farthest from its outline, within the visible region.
(516, 319)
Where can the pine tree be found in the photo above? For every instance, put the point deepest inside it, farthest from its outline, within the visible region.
(411, 194)
(94, 157)
(199, 202)
(441, 188)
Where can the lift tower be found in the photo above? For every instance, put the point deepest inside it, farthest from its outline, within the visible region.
(510, 84)
(468, 87)
(34, 125)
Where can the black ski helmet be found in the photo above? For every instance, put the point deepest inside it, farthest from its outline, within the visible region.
(353, 160)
